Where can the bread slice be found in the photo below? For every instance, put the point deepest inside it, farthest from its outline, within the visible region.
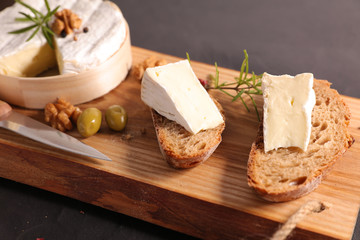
(180, 148)
(289, 173)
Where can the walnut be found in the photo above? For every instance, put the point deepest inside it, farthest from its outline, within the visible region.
(149, 62)
(63, 105)
(58, 26)
(64, 121)
(75, 115)
(61, 115)
(160, 62)
(66, 21)
(75, 21)
(50, 112)
(139, 69)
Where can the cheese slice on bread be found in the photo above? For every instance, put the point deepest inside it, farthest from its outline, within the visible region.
(188, 122)
(289, 173)
(175, 92)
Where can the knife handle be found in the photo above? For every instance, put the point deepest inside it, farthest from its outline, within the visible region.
(5, 109)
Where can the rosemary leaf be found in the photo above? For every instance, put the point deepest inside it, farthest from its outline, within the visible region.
(242, 69)
(227, 93)
(24, 19)
(27, 16)
(241, 72)
(40, 22)
(257, 89)
(247, 63)
(50, 14)
(238, 95)
(25, 29)
(188, 57)
(47, 6)
(225, 84)
(252, 92)
(253, 78)
(33, 10)
(48, 30)
(33, 34)
(47, 36)
(247, 108)
(254, 103)
(243, 84)
(216, 75)
(212, 79)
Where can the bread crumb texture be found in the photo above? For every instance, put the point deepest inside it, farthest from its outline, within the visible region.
(289, 173)
(182, 142)
(182, 149)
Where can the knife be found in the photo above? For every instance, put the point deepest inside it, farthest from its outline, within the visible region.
(43, 133)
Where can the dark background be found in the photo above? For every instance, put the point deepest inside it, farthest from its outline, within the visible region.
(281, 36)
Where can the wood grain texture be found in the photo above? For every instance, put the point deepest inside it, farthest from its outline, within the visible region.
(210, 201)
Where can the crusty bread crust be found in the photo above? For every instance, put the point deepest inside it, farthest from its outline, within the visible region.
(290, 173)
(180, 148)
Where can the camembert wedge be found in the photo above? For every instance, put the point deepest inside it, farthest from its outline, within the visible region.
(174, 91)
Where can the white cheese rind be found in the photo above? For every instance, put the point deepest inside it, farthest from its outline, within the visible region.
(288, 104)
(175, 92)
(105, 37)
(107, 32)
(16, 55)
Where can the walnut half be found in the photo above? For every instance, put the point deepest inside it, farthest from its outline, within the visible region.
(66, 21)
(139, 69)
(61, 115)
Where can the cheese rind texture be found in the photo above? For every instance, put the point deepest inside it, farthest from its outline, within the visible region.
(288, 104)
(174, 91)
(18, 57)
(21, 58)
(107, 32)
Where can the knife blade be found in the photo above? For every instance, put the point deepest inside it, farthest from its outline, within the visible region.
(43, 133)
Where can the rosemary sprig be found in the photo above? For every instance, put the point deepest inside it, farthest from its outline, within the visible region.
(39, 20)
(244, 85)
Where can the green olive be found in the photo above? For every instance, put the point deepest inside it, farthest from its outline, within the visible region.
(89, 122)
(116, 117)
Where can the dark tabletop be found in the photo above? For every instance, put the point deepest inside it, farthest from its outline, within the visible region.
(282, 36)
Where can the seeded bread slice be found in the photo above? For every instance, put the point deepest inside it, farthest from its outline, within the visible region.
(289, 173)
(180, 148)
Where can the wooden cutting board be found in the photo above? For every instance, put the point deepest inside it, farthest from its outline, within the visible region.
(210, 201)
